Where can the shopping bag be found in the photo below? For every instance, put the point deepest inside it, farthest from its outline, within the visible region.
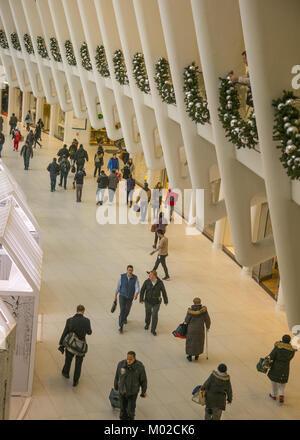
(263, 365)
(180, 332)
(114, 398)
(198, 395)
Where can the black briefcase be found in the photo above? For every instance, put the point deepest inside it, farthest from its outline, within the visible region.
(114, 398)
(114, 306)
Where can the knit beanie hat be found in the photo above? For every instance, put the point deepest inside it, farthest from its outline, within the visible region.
(222, 368)
(286, 339)
(197, 301)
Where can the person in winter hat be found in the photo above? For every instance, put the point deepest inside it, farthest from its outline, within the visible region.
(217, 390)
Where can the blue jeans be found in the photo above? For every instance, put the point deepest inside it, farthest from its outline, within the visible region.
(63, 179)
(125, 306)
(144, 210)
(111, 194)
(53, 178)
(100, 191)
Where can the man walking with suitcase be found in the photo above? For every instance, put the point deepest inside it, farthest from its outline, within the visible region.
(81, 326)
(130, 377)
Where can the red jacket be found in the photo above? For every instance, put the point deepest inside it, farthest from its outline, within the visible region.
(17, 137)
(174, 199)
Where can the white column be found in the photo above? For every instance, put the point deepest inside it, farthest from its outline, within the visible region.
(53, 119)
(11, 101)
(220, 226)
(280, 300)
(39, 109)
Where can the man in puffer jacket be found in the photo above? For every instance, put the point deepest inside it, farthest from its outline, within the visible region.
(218, 389)
(130, 377)
(151, 292)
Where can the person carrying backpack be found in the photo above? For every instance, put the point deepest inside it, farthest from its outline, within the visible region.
(102, 185)
(79, 179)
(72, 153)
(63, 152)
(64, 171)
(98, 160)
(81, 157)
(54, 170)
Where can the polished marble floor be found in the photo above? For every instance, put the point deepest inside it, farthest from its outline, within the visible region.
(82, 262)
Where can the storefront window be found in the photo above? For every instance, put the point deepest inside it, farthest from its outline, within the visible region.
(60, 126)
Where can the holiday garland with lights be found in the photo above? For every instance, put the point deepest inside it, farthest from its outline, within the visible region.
(196, 106)
(28, 44)
(286, 131)
(140, 72)
(164, 81)
(41, 47)
(3, 40)
(120, 68)
(241, 133)
(70, 53)
(101, 62)
(85, 57)
(54, 48)
(15, 41)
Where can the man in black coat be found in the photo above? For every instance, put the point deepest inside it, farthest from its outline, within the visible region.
(102, 185)
(27, 153)
(130, 377)
(54, 170)
(79, 179)
(151, 292)
(81, 326)
(30, 138)
(217, 389)
(81, 156)
(13, 122)
(64, 171)
(63, 152)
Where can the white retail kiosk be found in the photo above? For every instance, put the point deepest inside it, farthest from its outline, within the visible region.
(7, 349)
(20, 280)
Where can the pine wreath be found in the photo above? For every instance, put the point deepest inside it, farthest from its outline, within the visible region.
(164, 81)
(196, 106)
(3, 40)
(55, 51)
(70, 53)
(41, 47)
(15, 41)
(140, 72)
(101, 62)
(241, 133)
(286, 130)
(120, 68)
(85, 57)
(28, 44)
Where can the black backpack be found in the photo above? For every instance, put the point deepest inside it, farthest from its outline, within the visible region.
(64, 167)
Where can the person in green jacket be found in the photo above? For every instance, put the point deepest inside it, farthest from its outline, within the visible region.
(217, 390)
(280, 358)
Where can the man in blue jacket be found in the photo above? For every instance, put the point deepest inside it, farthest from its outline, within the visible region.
(128, 287)
(113, 163)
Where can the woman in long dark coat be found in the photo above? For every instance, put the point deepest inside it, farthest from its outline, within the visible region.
(281, 356)
(197, 316)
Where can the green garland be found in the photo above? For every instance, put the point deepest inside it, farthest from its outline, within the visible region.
(3, 40)
(286, 130)
(120, 68)
(55, 51)
(241, 133)
(140, 73)
(15, 41)
(28, 44)
(164, 81)
(85, 57)
(70, 53)
(196, 106)
(41, 47)
(101, 62)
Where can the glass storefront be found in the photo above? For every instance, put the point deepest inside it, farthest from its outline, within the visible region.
(60, 126)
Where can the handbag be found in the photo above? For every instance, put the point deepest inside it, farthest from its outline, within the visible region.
(263, 365)
(114, 306)
(199, 396)
(181, 331)
(75, 345)
(114, 398)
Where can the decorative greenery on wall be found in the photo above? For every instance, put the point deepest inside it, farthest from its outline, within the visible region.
(28, 44)
(140, 72)
(164, 81)
(41, 47)
(286, 131)
(54, 48)
(196, 106)
(3, 40)
(241, 133)
(15, 41)
(70, 53)
(85, 57)
(101, 62)
(120, 68)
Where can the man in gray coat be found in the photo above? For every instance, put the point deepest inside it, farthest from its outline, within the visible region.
(197, 316)
(217, 389)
